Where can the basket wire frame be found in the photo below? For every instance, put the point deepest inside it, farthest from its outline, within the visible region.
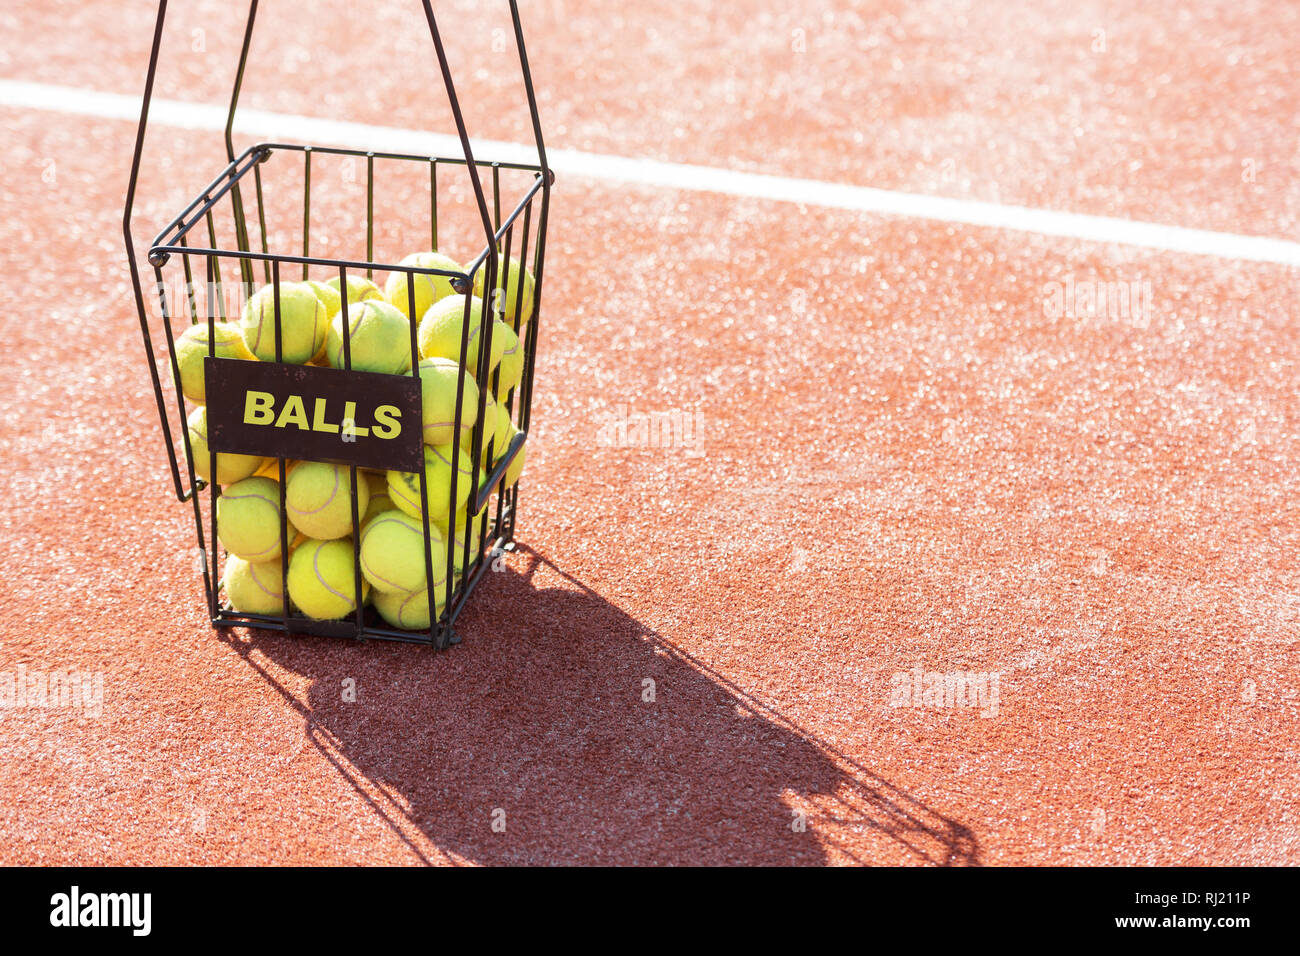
(525, 224)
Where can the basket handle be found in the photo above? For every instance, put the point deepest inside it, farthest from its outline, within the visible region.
(479, 195)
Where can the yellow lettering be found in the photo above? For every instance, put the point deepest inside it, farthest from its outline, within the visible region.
(294, 413)
(386, 421)
(350, 419)
(259, 408)
(319, 424)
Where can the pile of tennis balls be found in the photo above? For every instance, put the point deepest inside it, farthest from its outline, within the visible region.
(318, 495)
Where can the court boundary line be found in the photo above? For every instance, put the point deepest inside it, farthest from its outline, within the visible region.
(283, 127)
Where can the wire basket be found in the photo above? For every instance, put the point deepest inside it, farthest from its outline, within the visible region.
(212, 256)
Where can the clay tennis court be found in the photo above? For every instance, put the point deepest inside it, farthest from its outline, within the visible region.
(906, 442)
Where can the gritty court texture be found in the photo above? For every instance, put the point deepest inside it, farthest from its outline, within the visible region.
(918, 452)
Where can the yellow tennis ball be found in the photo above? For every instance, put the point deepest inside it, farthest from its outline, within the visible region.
(379, 338)
(192, 349)
(404, 486)
(318, 496)
(379, 500)
(516, 468)
(248, 519)
(507, 300)
(498, 435)
(428, 289)
(329, 296)
(271, 468)
(440, 331)
(303, 323)
(360, 289)
(254, 588)
(409, 610)
(458, 546)
(512, 359)
(230, 467)
(392, 552)
(322, 579)
(439, 379)
(517, 465)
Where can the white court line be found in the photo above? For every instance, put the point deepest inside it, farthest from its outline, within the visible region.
(284, 127)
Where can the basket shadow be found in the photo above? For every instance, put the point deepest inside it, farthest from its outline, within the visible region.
(550, 730)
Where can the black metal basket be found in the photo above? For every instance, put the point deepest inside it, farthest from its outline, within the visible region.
(210, 271)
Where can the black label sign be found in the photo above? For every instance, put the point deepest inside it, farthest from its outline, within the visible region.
(320, 414)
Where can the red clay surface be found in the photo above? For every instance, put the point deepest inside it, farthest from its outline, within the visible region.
(907, 462)
(1114, 108)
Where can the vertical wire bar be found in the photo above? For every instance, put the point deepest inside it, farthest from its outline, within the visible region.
(530, 354)
(189, 283)
(180, 394)
(370, 214)
(275, 296)
(501, 291)
(209, 589)
(284, 512)
(214, 487)
(218, 291)
(306, 208)
(496, 200)
(430, 588)
(241, 235)
(530, 350)
(506, 499)
(475, 443)
(497, 293)
(433, 200)
(261, 218)
(357, 597)
(343, 315)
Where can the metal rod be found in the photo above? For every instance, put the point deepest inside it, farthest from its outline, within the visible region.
(306, 209)
(239, 79)
(370, 213)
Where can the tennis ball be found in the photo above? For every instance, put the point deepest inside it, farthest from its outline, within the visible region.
(500, 433)
(192, 349)
(458, 546)
(271, 468)
(392, 552)
(506, 299)
(512, 359)
(248, 519)
(322, 579)
(428, 289)
(439, 378)
(254, 588)
(409, 610)
(359, 290)
(302, 323)
(517, 466)
(318, 496)
(441, 327)
(379, 500)
(404, 486)
(379, 338)
(230, 467)
(329, 296)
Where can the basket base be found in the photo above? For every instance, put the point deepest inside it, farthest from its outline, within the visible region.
(373, 627)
